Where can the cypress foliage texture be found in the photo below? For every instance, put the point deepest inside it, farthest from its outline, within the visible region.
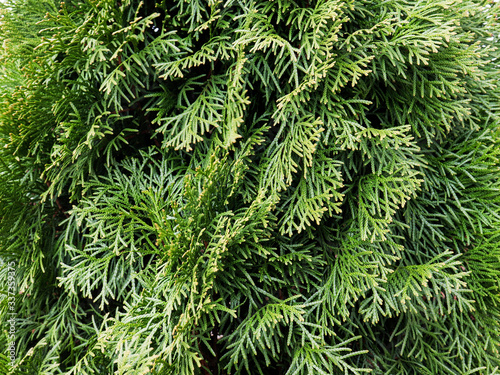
(250, 187)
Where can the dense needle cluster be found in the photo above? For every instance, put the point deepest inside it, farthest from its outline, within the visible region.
(251, 186)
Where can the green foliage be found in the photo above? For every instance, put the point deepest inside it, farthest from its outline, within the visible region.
(250, 187)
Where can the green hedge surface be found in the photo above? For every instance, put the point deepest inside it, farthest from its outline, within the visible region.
(233, 187)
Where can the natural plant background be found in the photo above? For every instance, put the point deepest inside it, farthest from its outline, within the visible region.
(251, 187)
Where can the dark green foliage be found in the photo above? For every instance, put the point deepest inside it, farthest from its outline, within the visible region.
(251, 187)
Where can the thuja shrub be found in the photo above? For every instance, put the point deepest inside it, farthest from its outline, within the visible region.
(250, 187)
